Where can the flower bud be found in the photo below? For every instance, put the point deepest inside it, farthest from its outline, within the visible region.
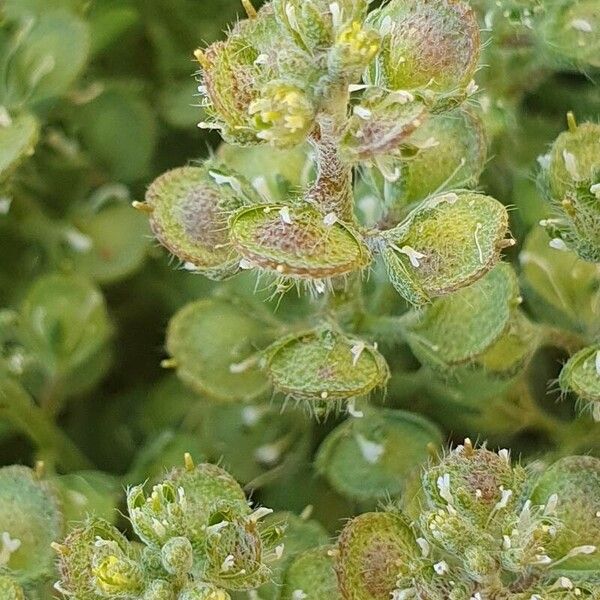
(282, 114)
(203, 591)
(581, 375)
(570, 178)
(311, 576)
(354, 49)
(30, 520)
(324, 365)
(572, 484)
(297, 241)
(189, 208)
(372, 457)
(10, 589)
(433, 45)
(447, 242)
(114, 573)
(375, 553)
(178, 556)
(213, 344)
(159, 589)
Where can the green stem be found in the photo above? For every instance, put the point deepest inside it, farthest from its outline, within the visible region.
(558, 337)
(18, 407)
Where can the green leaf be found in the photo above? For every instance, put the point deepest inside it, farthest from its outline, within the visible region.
(17, 142)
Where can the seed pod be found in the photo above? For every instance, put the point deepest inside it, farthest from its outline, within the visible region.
(371, 458)
(569, 31)
(462, 326)
(178, 556)
(447, 242)
(475, 482)
(581, 375)
(432, 45)
(159, 589)
(10, 589)
(115, 572)
(322, 364)
(30, 520)
(374, 552)
(311, 576)
(203, 591)
(17, 142)
(575, 480)
(451, 150)
(570, 178)
(189, 211)
(213, 344)
(297, 241)
(75, 557)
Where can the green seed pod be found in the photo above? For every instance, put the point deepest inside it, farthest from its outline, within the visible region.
(570, 178)
(115, 574)
(10, 589)
(447, 242)
(213, 344)
(375, 551)
(372, 458)
(311, 576)
(189, 208)
(581, 375)
(282, 114)
(203, 591)
(235, 554)
(379, 125)
(475, 482)
(17, 142)
(573, 485)
(297, 241)
(560, 287)
(569, 31)
(30, 519)
(323, 364)
(451, 150)
(49, 58)
(65, 324)
(426, 45)
(178, 556)
(233, 73)
(75, 557)
(462, 326)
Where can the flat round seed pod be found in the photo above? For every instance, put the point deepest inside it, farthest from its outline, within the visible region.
(30, 520)
(576, 482)
(447, 242)
(427, 44)
(581, 375)
(311, 576)
(213, 343)
(374, 551)
(297, 241)
(17, 141)
(451, 152)
(325, 365)
(371, 458)
(456, 329)
(189, 210)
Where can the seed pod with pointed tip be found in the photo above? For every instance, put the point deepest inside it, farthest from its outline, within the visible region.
(375, 552)
(432, 45)
(458, 328)
(213, 343)
(189, 208)
(447, 242)
(30, 520)
(581, 375)
(10, 589)
(311, 576)
(75, 557)
(325, 365)
(17, 142)
(570, 179)
(297, 241)
(371, 458)
(575, 480)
